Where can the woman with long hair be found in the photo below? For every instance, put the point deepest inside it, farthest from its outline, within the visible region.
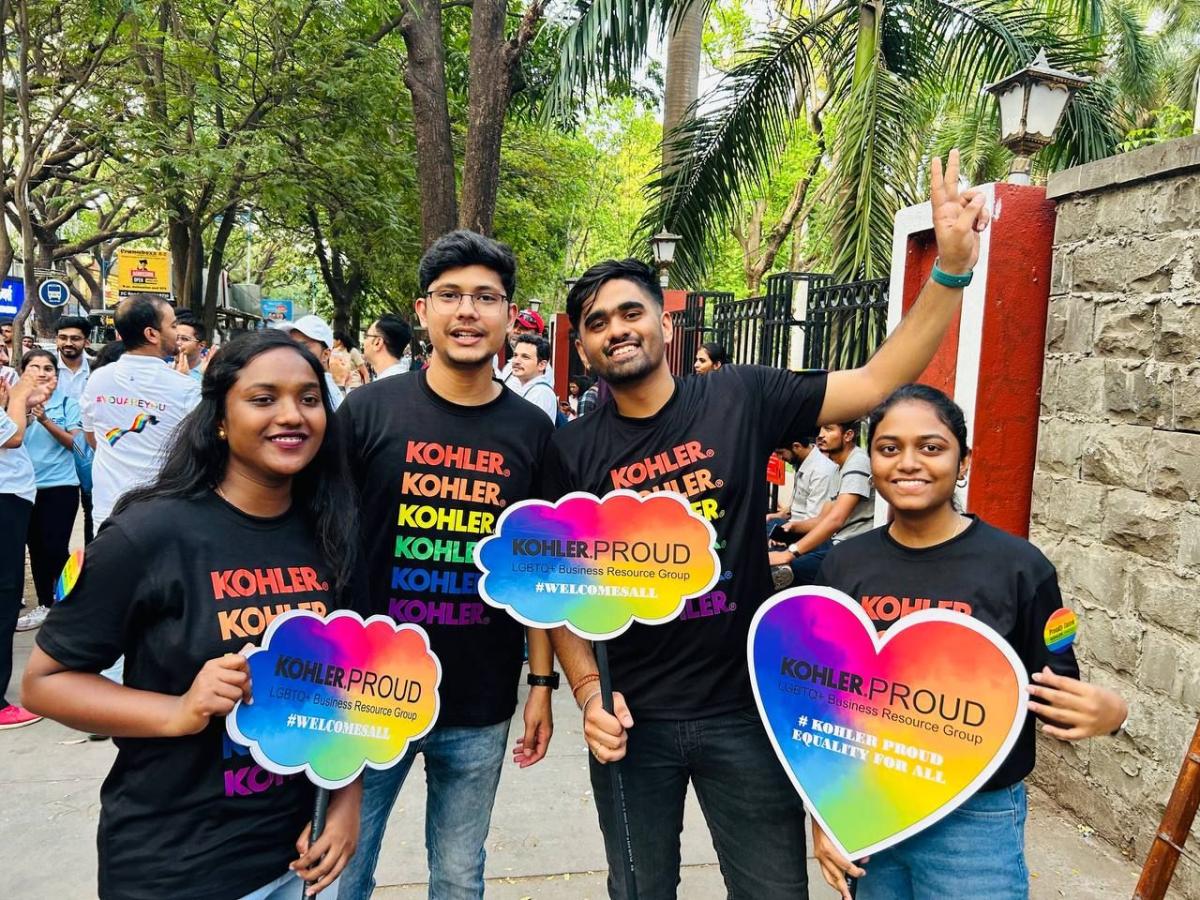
(918, 444)
(50, 441)
(255, 482)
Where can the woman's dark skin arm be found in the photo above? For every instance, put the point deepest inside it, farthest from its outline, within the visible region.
(90, 702)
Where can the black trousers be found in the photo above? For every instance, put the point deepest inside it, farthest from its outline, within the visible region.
(14, 513)
(49, 538)
(89, 530)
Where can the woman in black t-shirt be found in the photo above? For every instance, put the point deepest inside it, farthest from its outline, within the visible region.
(255, 482)
(918, 444)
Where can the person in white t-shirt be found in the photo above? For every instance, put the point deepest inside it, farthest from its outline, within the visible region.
(849, 513)
(384, 346)
(530, 361)
(813, 486)
(132, 408)
(315, 334)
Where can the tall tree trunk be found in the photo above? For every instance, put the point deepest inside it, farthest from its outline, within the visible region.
(490, 82)
(215, 263)
(425, 77)
(685, 35)
(180, 243)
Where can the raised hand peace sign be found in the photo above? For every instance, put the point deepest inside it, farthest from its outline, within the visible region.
(958, 218)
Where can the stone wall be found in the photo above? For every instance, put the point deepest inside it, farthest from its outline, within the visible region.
(1117, 488)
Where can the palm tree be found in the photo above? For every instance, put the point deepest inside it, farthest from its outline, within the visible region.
(881, 74)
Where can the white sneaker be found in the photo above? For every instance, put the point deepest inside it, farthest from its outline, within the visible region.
(782, 576)
(33, 619)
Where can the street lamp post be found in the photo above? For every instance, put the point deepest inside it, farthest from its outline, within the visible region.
(663, 247)
(535, 304)
(1032, 102)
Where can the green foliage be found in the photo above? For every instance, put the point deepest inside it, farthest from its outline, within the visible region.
(1169, 123)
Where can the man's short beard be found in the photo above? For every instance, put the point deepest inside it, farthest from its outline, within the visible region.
(628, 376)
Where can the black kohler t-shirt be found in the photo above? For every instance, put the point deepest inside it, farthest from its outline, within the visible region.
(1001, 580)
(172, 583)
(710, 443)
(434, 478)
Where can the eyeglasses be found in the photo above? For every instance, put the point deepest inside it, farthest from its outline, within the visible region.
(372, 335)
(182, 339)
(449, 301)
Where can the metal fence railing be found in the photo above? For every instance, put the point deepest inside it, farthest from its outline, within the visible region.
(845, 324)
(842, 324)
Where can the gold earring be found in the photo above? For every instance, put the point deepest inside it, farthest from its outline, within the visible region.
(220, 433)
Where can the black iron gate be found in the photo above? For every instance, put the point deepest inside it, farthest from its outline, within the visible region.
(843, 324)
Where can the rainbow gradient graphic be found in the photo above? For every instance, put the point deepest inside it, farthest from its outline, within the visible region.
(871, 772)
(69, 575)
(1060, 630)
(596, 565)
(335, 694)
(140, 421)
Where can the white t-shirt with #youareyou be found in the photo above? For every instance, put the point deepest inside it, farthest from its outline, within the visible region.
(133, 407)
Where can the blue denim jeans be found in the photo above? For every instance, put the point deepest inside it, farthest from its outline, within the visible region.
(287, 887)
(975, 853)
(462, 770)
(753, 813)
(806, 566)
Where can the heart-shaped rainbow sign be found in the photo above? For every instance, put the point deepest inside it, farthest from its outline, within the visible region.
(882, 736)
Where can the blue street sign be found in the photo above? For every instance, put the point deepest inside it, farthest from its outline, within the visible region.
(54, 293)
(12, 295)
(276, 310)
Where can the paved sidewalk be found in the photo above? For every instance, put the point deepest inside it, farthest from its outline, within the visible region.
(544, 842)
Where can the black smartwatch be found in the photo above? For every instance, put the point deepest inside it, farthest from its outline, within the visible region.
(550, 681)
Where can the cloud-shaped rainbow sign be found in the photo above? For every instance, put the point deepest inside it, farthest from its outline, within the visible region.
(598, 565)
(334, 694)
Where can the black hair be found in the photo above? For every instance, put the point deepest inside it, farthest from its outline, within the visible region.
(83, 324)
(540, 344)
(109, 353)
(395, 332)
(187, 317)
(716, 353)
(345, 339)
(134, 316)
(853, 425)
(34, 354)
(610, 270)
(581, 381)
(948, 412)
(195, 463)
(467, 248)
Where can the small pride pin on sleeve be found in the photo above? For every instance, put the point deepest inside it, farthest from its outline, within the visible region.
(1060, 630)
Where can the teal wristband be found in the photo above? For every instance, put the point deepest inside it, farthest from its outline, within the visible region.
(945, 279)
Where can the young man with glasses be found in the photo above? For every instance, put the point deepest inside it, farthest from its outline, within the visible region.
(190, 346)
(71, 341)
(384, 345)
(438, 454)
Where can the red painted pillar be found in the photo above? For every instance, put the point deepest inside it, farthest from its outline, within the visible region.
(991, 360)
(560, 353)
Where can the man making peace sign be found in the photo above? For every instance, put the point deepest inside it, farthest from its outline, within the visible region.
(685, 684)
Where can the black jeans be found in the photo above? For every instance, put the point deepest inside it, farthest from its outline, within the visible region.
(753, 813)
(89, 530)
(14, 513)
(50, 537)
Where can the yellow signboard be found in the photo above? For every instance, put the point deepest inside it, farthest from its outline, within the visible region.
(144, 270)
